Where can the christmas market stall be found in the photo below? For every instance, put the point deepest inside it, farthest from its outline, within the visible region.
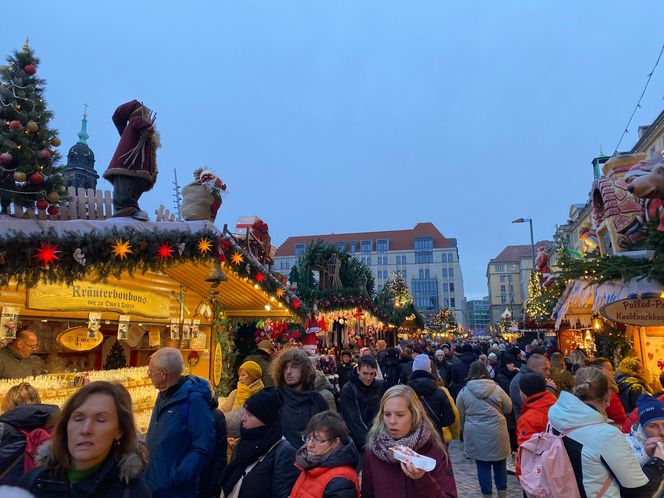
(614, 297)
(105, 294)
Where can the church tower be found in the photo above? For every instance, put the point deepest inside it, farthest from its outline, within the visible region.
(80, 168)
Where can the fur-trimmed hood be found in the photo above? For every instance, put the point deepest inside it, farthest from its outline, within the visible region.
(130, 467)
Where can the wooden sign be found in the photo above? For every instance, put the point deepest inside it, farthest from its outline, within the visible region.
(88, 296)
(79, 339)
(646, 312)
(217, 364)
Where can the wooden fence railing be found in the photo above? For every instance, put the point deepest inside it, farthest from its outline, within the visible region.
(83, 204)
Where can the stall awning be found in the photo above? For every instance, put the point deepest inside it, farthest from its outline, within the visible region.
(582, 297)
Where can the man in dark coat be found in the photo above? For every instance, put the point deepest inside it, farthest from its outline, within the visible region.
(211, 476)
(460, 369)
(263, 356)
(133, 168)
(391, 368)
(360, 400)
(345, 367)
(435, 401)
(181, 434)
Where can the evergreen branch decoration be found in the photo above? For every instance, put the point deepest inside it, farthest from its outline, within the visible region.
(89, 256)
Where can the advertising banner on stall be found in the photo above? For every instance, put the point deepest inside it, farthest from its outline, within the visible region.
(645, 312)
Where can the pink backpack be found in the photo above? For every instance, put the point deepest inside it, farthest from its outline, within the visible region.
(546, 470)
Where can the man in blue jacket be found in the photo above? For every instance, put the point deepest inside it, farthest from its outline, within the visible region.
(181, 433)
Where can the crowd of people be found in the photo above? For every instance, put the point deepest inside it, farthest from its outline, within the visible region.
(298, 425)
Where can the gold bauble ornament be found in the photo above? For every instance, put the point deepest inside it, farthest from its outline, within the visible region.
(32, 126)
(56, 142)
(53, 197)
(20, 176)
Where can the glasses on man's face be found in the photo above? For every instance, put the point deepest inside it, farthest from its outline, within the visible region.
(310, 437)
(31, 346)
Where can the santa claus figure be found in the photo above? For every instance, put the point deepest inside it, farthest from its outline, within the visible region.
(133, 168)
(542, 266)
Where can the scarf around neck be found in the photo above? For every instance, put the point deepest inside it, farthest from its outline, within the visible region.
(383, 444)
(244, 392)
(306, 461)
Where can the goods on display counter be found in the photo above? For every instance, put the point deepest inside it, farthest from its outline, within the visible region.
(55, 389)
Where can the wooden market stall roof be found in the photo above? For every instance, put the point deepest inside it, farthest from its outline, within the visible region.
(241, 293)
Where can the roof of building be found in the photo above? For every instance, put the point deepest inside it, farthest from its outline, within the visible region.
(516, 253)
(399, 239)
(649, 132)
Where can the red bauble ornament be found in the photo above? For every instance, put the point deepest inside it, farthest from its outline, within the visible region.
(53, 210)
(165, 251)
(44, 154)
(36, 178)
(47, 253)
(30, 69)
(15, 125)
(260, 276)
(5, 158)
(42, 204)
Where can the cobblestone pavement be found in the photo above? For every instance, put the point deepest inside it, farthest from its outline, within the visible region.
(465, 474)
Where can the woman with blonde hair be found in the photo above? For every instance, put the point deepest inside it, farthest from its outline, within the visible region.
(23, 415)
(601, 457)
(403, 421)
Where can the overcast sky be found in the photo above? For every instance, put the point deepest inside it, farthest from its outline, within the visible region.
(341, 116)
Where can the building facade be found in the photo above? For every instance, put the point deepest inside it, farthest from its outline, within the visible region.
(507, 278)
(477, 314)
(651, 138)
(427, 260)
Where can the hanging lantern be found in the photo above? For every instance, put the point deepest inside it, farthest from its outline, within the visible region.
(597, 322)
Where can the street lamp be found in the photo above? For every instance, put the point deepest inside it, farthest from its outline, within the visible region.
(532, 248)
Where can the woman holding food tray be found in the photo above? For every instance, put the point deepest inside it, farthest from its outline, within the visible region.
(405, 457)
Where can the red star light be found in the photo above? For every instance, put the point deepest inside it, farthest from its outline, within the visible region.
(260, 276)
(165, 251)
(296, 303)
(46, 254)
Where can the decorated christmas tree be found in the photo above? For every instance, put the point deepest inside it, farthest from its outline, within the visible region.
(28, 171)
(445, 320)
(116, 357)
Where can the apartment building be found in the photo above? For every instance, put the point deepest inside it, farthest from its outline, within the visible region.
(427, 260)
(507, 278)
(477, 314)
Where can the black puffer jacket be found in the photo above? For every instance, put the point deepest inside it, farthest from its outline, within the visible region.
(297, 410)
(338, 487)
(460, 372)
(435, 401)
(629, 390)
(112, 480)
(358, 405)
(272, 477)
(391, 370)
(12, 441)
(210, 481)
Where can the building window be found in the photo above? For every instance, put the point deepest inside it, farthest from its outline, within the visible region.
(503, 299)
(446, 301)
(352, 247)
(369, 260)
(509, 278)
(423, 250)
(385, 274)
(299, 249)
(425, 293)
(452, 303)
(426, 273)
(450, 257)
(444, 272)
(451, 286)
(503, 289)
(512, 267)
(499, 268)
(381, 245)
(446, 287)
(421, 273)
(341, 246)
(365, 247)
(404, 274)
(503, 278)
(451, 272)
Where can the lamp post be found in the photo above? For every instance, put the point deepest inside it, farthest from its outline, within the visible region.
(532, 249)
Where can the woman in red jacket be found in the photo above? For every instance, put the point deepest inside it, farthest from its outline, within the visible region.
(534, 410)
(403, 421)
(615, 410)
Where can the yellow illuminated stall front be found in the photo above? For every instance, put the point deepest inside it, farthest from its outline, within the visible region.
(91, 324)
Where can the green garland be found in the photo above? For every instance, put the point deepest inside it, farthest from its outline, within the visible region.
(18, 250)
(223, 332)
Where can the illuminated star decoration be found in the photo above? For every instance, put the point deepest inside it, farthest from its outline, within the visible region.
(296, 303)
(280, 292)
(237, 258)
(121, 248)
(260, 276)
(165, 251)
(47, 253)
(204, 245)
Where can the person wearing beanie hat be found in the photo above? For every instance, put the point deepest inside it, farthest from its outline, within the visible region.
(262, 461)
(422, 362)
(534, 410)
(249, 383)
(644, 436)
